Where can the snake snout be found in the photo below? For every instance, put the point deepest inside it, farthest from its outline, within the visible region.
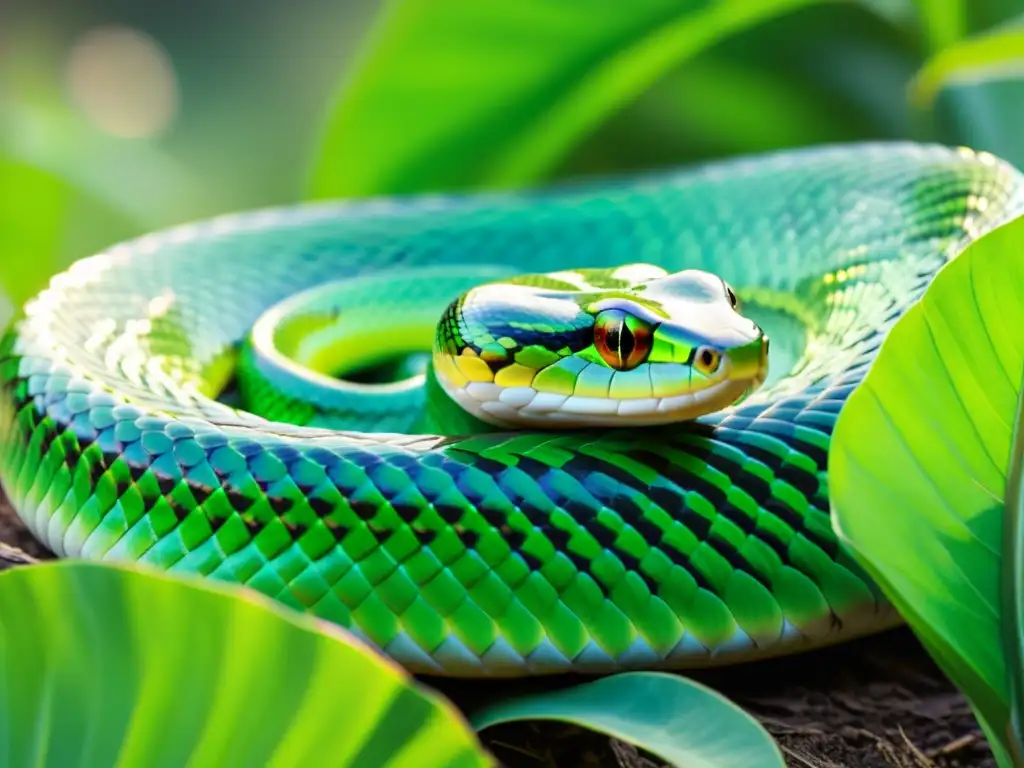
(750, 360)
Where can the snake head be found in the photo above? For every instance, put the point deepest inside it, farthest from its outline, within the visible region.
(599, 347)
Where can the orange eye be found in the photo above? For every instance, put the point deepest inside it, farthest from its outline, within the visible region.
(622, 340)
(707, 360)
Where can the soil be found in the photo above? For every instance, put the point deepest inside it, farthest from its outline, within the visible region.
(875, 702)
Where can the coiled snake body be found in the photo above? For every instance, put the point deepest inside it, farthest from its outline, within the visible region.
(496, 551)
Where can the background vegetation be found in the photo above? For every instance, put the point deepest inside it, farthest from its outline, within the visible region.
(119, 117)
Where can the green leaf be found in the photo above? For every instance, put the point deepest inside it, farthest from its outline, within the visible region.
(994, 54)
(1013, 584)
(676, 719)
(104, 665)
(462, 94)
(919, 459)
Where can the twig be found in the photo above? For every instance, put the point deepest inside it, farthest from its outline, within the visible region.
(545, 759)
(956, 745)
(12, 556)
(804, 760)
(923, 760)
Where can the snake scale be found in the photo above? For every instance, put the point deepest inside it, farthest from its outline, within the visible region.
(127, 432)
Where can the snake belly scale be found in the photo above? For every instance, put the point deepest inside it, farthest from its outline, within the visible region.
(501, 552)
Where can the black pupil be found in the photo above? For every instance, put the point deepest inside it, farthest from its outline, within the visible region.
(619, 339)
(706, 357)
(626, 341)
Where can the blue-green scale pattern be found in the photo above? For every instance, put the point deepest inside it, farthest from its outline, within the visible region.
(498, 553)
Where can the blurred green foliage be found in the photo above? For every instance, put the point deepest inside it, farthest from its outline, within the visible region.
(501, 91)
(521, 93)
(976, 88)
(449, 95)
(251, 83)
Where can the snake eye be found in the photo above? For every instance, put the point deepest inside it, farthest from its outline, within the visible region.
(622, 340)
(729, 292)
(707, 360)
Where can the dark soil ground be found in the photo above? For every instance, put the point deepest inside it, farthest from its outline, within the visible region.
(873, 702)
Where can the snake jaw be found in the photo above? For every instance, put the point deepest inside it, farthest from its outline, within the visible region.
(743, 370)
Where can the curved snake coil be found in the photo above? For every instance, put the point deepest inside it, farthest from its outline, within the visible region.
(497, 553)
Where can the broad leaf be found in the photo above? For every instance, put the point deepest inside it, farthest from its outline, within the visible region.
(462, 94)
(676, 719)
(103, 665)
(919, 460)
(1013, 585)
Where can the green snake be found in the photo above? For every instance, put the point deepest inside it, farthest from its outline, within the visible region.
(589, 473)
